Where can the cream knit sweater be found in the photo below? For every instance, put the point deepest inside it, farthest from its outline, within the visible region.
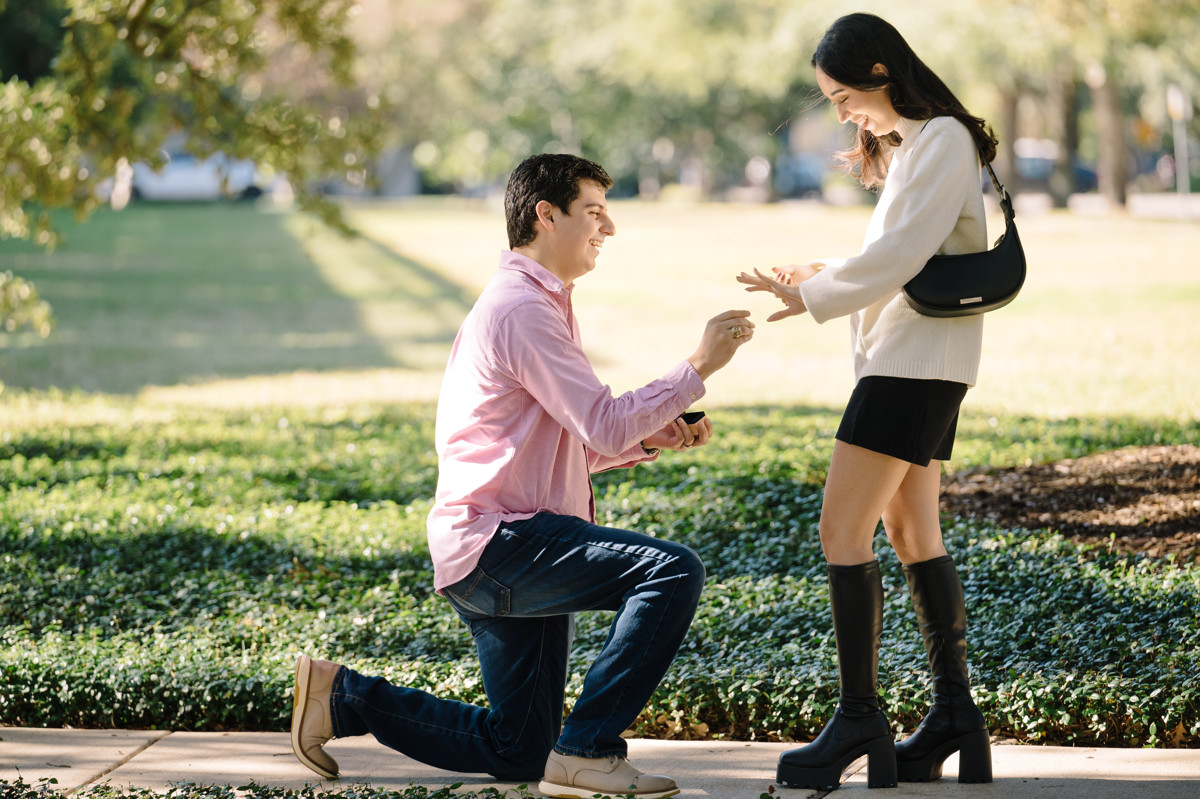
(931, 203)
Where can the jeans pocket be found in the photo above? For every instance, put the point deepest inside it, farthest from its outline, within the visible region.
(478, 596)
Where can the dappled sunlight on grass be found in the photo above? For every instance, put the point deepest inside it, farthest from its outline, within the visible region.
(409, 308)
(166, 295)
(280, 310)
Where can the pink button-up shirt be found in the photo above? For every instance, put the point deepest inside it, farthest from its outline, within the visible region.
(523, 420)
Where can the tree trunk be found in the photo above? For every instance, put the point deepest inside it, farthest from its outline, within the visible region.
(1110, 123)
(1065, 110)
(1006, 155)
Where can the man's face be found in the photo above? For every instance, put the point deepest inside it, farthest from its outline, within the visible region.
(580, 234)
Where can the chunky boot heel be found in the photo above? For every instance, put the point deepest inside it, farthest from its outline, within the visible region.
(881, 764)
(820, 764)
(954, 723)
(975, 758)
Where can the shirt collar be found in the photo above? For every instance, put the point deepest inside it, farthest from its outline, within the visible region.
(907, 128)
(526, 265)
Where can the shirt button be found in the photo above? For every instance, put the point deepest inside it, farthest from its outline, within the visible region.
(693, 396)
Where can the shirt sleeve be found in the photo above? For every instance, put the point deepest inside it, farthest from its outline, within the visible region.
(942, 167)
(630, 457)
(538, 349)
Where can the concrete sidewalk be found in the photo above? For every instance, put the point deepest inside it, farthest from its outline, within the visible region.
(724, 770)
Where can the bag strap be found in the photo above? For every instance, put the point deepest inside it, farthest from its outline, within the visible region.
(1005, 198)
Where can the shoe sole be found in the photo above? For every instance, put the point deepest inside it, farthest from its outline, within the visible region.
(299, 701)
(881, 769)
(555, 791)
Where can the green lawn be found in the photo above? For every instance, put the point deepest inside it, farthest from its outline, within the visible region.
(225, 304)
(1104, 325)
(244, 470)
(164, 296)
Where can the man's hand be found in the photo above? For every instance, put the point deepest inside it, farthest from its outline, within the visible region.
(679, 435)
(723, 334)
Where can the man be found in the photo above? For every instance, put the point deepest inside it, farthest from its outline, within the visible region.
(522, 421)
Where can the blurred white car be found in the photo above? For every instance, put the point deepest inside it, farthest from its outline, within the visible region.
(185, 177)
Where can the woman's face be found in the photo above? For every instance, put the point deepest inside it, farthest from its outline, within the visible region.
(868, 110)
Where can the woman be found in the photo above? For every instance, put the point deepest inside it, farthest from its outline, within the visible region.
(922, 148)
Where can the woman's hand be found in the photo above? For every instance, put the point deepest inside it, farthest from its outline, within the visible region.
(793, 274)
(788, 294)
(679, 435)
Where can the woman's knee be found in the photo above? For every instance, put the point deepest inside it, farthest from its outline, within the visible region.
(898, 537)
(913, 545)
(843, 546)
(895, 523)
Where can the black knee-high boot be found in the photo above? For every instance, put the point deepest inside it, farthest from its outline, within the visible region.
(858, 726)
(953, 724)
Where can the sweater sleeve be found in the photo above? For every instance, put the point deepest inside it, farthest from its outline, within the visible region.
(930, 182)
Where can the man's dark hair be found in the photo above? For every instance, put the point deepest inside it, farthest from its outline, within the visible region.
(553, 177)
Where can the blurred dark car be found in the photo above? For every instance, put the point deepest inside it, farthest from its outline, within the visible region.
(1036, 161)
(800, 175)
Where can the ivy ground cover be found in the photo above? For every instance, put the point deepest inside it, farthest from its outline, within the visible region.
(164, 570)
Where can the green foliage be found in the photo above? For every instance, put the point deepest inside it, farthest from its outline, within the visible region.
(93, 86)
(21, 307)
(166, 572)
(129, 72)
(477, 86)
(659, 91)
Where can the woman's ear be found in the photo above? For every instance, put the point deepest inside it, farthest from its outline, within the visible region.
(879, 69)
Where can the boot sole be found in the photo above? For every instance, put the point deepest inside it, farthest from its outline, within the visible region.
(881, 769)
(299, 701)
(556, 791)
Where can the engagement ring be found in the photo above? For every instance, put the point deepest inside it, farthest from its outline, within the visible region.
(736, 330)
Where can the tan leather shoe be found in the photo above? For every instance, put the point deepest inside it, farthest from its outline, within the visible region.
(312, 725)
(570, 777)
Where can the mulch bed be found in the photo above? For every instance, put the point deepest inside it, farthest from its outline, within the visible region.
(1148, 497)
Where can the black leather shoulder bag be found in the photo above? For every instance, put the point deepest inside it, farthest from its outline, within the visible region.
(976, 282)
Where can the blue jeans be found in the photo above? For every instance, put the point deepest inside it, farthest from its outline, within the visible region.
(518, 603)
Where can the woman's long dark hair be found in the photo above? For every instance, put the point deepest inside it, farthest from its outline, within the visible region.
(848, 53)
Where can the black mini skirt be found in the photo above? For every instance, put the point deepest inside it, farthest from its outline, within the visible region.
(913, 420)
